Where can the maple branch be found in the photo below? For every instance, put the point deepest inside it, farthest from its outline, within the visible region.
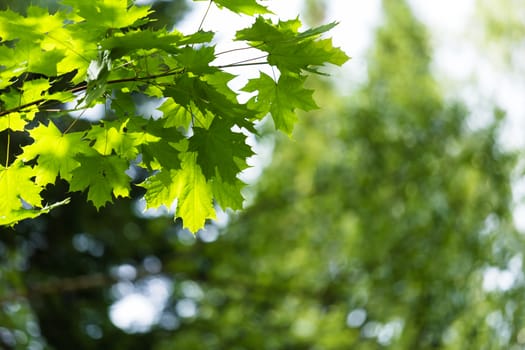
(129, 80)
(84, 87)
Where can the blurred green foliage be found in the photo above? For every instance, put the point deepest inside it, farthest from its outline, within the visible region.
(502, 28)
(374, 227)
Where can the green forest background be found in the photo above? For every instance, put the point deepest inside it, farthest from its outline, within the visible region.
(373, 227)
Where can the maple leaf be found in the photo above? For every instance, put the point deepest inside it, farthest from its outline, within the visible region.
(220, 149)
(123, 43)
(34, 90)
(160, 155)
(37, 23)
(195, 202)
(175, 114)
(227, 194)
(205, 101)
(160, 189)
(11, 218)
(102, 176)
(158, 142)
(281, 98)
(197, 60)
(79, 48)
(18, 191)
(113, 136)
(12, 121)
(188, 186)
(248, 7)
(55, 151)
(291, 50)
(16, 185)
(108, 13)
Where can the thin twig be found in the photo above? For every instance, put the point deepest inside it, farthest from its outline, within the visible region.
(233, 65)
(250, 59)
(205, 15)
(8, 143)
(74, 121)
(239, 49)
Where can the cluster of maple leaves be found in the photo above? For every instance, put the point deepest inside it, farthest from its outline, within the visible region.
(102, 52)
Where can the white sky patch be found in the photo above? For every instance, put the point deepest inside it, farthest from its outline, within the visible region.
(496, 279)
(134, 313)
(140, 306)
(92, 114)
(354, 35)
(446, 16)
(469, 71)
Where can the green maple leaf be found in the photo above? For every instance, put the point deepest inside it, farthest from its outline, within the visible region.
(30, 28)
(55, 151)
(220, 149)
(160, 189)
(12, 121)
(34, 90)
(44, 62)
(291, 50)
(16, 184)
(157, 142)
(197, 60)
(15, 216)
(281, 99)
(114, 136)
(204, 100)
(248, 7)
(108, 13)
(306, 56)
(195, 202)
(123, 43)
(19, 190)
(189, 186)
(102, 176)
(31, 57)
(227, 194)
(175, 114)
(160, 155)
(79, 47)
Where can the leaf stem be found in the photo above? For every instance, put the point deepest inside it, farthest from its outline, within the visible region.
(205, 15)
(233, 65)
(8, 146)
(244, 62)
(83, 87)
(74, 121)
(238, 49)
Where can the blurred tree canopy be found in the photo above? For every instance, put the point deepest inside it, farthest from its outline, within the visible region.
(503, 30)
(376, 226)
